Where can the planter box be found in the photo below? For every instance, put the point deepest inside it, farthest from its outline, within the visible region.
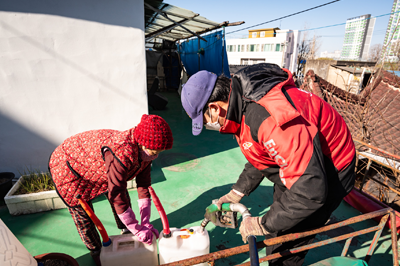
(131, 184)
(37, 202)
(32, 203)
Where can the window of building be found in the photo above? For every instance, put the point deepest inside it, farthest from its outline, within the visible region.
(251, 61)
(290, 39)
(252, 47)
(238, 48)
(257, 48)
(267, 47)
(243, 48)
(256, 61)
(262, 34)
(254, 35)
(278, 47)
(248, 48)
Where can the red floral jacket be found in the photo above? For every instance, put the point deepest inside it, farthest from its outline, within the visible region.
(77, 166)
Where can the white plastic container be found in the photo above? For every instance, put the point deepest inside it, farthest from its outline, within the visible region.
(127, 250)
(12, 252)
(183, 245)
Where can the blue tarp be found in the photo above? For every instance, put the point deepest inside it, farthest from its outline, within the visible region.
(210, 60)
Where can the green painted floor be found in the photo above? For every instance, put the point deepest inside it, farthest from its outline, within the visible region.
(186, 179)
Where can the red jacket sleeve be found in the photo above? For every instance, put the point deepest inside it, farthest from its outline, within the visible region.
(117, 176)
(143, 181)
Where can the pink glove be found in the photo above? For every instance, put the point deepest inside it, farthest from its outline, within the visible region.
(143, 233)
(145, 210)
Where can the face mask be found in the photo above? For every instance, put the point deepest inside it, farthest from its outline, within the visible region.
(145, 156)
(213, 126)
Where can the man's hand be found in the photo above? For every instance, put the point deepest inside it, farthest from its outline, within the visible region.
(231, 197)
(252, 226)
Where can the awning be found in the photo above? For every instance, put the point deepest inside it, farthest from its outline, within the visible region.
(173, 23)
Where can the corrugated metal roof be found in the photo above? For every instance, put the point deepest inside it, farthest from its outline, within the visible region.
(173, 23)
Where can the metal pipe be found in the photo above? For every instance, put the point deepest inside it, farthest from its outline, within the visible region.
(154, 34)
(290, 237)
(223, 48)
(376, 148)
(376, 237)
(317, 244)
(173, 21)
(346, 247)
(394, 237)
(286, 238)
(238, 207)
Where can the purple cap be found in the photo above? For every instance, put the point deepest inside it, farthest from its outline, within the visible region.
(194, 96)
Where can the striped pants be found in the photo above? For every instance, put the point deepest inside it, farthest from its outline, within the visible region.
(87, 229)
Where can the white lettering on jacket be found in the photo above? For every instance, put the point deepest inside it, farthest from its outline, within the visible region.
(275, 155)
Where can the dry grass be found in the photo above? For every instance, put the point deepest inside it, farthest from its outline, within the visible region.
(35, 181)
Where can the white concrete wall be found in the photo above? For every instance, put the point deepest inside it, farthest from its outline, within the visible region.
(285, 58)
(67, 67)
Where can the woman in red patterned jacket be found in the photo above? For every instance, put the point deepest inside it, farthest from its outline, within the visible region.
(99, 162)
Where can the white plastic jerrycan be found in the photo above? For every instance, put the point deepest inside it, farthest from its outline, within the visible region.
(127, 250)
(184, 244)
(12, 252)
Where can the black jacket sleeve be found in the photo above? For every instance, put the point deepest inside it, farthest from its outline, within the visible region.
(305, 196)
(248, 180)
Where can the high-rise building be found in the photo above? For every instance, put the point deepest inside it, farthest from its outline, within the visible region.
(357, 38)
(392, 37)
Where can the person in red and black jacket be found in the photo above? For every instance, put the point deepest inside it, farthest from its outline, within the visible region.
(290, 136)
(98, 162)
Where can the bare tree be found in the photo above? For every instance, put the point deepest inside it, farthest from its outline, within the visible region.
(375, 52)
(307, 49)
(303, 52)
(315, 44)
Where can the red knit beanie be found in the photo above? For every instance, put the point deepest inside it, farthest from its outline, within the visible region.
(154, 133)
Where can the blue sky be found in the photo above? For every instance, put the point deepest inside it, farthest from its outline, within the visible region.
(258, 11)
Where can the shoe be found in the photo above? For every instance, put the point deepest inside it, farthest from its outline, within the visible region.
(125, 231)
(96, 256)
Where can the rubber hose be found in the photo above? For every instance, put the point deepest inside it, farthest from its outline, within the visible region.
(160, 209)
(253, 251)
(96, 221)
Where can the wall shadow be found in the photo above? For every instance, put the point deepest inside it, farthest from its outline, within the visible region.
(16, 141)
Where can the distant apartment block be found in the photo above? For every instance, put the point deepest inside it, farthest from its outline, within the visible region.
(335, 55)
(392, 37)
(270, 45)
(357, 38)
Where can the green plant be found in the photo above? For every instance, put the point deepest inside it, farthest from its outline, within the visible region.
(35, 181)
